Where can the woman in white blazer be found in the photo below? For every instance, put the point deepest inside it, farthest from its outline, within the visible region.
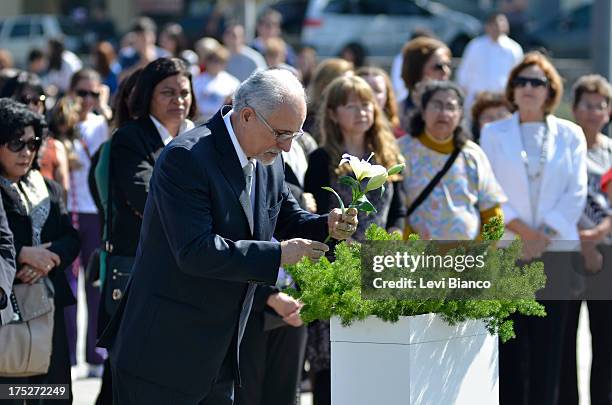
(540, 162)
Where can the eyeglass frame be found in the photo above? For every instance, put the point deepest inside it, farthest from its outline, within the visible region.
(588, 107)
(437, 106)
(280, 137)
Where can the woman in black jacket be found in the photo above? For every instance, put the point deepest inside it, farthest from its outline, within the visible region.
(45, 241)
(158, 108)
(162, 103)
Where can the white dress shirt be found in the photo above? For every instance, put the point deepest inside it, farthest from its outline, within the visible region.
(242, 157)
(165, 135)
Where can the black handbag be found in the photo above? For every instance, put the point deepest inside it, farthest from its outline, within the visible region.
(117, 268)
(118, 271)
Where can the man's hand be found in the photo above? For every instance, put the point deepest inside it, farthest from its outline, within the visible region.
(342, 226)
(293, 250)
(287, 307)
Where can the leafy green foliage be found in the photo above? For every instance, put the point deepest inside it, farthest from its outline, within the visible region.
(334, 288)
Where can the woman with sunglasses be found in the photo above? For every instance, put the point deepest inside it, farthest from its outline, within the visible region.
(27, 88)
(540, 162)
(45, 241)
(424, 59)
(91, 130)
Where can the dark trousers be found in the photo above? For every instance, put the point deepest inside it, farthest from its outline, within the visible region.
(600, 322)
(131, 390)
(270, 363)
(89, 232)
(530, 364)
(321, 388)
(59, 367)
(105, 396)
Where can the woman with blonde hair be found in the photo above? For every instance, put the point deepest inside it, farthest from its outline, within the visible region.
(63, 120)
(323, 75)
(350, 122)
(380, 82)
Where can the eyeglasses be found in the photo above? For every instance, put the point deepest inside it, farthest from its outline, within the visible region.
(358, 107)
(37, 100)
(17, 145)
(521, 81)
(585, 106)
(85, 93)
(442, 67)
(280, 136)
(438, 106)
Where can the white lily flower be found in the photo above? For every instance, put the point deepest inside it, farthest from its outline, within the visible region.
(362, 168)
(376, 182)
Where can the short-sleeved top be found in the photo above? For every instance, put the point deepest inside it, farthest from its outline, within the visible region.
(452, 210)
(92, 133)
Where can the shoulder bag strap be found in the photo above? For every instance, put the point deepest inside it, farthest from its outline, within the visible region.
(434, 182)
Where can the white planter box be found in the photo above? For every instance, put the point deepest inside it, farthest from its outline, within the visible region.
(418, 360)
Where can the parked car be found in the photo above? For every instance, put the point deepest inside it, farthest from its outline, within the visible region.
(564, 35)
(383, 26)
(20, 34)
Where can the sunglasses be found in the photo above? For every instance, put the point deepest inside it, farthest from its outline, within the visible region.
(520, 81)
(37, 100)
(442, 66)
(17, 145)
(85, 93)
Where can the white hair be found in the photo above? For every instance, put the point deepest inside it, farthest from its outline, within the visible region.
(266, 90)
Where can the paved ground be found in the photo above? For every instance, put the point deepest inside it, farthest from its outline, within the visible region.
(86, 389)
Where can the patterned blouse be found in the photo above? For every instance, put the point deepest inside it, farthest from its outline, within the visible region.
(454, 208)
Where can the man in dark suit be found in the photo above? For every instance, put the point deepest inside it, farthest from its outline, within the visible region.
(217, 195)
(7, 268)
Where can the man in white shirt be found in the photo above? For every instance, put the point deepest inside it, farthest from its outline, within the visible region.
(488, 59)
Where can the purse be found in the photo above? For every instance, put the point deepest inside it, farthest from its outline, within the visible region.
(27, 342)
(118, 271)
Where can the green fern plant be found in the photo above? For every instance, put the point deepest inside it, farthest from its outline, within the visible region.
(334, 288)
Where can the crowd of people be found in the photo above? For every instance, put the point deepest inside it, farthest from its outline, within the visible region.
(79, 142)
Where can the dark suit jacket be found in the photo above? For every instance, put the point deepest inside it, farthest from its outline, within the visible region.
(135, 148)
(58, 230)
(7, 266)
(197, 258)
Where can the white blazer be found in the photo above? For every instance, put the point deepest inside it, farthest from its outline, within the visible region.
(564, 180)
